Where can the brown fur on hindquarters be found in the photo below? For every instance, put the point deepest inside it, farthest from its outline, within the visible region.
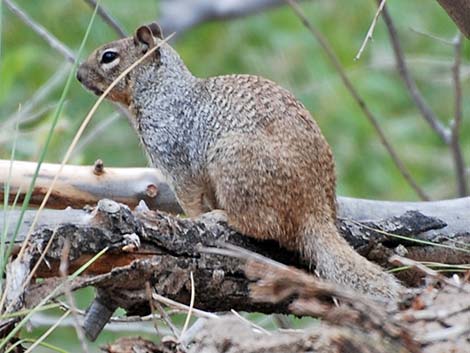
(237, 143)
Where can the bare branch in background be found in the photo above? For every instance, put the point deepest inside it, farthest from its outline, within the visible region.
(52, 41)
(359, 100)
(432, 36)
(410, 83)
(97, 130)
(460, 170)
(181, 15)
(25, 115)
(370, 31)
(110, 20)
(41, 31)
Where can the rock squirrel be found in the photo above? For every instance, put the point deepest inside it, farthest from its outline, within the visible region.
(240, 147)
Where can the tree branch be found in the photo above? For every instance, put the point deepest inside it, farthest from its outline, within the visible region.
(148, 246)
(181, 15)
(110, 20)
(460, 170)
(410, 83)
(359, 100)
(41, 31)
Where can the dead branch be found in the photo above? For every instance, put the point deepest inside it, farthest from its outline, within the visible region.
(169, 250)
(151, 247)
(41, 31)
(110, 20)
(79, 186)
(181, 15)
(357, 325)
(443, 222)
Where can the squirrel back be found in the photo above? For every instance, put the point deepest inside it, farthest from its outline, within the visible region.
(238, 145)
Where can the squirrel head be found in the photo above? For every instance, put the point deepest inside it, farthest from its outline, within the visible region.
(107, 62)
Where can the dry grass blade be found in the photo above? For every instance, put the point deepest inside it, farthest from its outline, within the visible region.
(191, 305)
(179, 306)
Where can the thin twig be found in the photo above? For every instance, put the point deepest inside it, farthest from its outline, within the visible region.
(433, 314)
(432, 36)
(426, 111)
(153, 309)
(447, 334)
(371, 30)
(252, 324)
(63, 270)
(460, 170)
(126, 319)
(180, 306)
(38, 96)
(41, 31)
(165, 318)
(110, 20)
(362, 104)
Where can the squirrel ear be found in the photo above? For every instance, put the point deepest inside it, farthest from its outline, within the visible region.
(156, 30)
(143, 35)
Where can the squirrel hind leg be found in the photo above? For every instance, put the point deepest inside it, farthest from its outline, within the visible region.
(255, 188)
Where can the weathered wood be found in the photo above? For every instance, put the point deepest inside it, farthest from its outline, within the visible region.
(426, 321)
(151, 247)
(169, 250)
(79, 186)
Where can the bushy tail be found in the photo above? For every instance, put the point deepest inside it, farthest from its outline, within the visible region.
(336, 261)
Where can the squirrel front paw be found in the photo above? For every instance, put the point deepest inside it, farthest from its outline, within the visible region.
(210, 219)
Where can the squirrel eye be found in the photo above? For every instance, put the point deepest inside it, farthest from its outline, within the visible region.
(108, 56)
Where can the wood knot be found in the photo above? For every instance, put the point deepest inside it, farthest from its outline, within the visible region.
(98, 167)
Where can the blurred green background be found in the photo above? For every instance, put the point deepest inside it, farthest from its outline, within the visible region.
(273, 44)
